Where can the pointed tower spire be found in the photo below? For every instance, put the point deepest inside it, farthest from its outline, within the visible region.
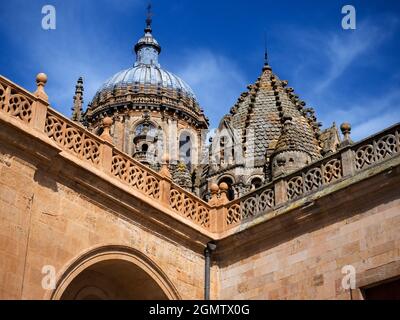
(78, 101)
(149, 19)
(265, 49)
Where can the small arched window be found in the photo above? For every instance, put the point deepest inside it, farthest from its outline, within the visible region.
(145, 129)
(185, 148)
(256, 183)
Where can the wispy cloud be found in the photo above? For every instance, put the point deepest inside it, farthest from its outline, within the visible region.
(332, 69)
(216, 80)
(344, 49)
(81, 45)
(371, 114)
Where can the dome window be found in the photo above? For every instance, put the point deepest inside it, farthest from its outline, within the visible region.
(185, 148)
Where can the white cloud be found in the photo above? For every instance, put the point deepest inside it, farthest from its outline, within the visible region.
(328, 64)
(216, 81)
(375, 114)
(342, 51)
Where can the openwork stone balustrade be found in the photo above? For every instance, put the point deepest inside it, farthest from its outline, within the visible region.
(380, 147)
(338, 166)
(16, 103)
(70, 136)
(33, 111)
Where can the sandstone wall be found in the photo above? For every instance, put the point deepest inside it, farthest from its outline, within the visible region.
(308, 265)
(48, 220)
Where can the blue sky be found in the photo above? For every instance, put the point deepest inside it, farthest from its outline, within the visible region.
(217, 47)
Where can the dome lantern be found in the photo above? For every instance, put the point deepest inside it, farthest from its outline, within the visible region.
(147, 48)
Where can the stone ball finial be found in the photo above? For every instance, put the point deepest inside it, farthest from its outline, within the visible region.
(345, 128)
(107, 122)
(164, 167)
(41, 78)
(223, 187)
(214, 188)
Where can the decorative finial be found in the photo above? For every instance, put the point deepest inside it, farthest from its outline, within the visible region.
(223, 187)
(149, 18)
(41, 80)
(78, 101)
(266, 63)
(346, 130)
(107, 123)
(214, 188)
(164, 167)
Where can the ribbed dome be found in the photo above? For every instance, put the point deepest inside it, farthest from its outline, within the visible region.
(147, 74)
(146, 71)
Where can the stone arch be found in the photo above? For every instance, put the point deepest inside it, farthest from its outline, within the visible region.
(140, 121)
(255, 181)
(154, 141)
(108, 258)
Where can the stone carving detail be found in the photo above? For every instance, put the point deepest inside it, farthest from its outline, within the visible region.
(125, 169)
(189, 207)
(15, 105)
(251, 206)
(377, 150)
(332, 171)
(234, 214)
(72, 139)
(314, 178)
(295, 187)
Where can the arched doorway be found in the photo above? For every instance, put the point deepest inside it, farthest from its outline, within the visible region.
(119, 273)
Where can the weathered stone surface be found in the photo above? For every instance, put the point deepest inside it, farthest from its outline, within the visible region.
(112, 228)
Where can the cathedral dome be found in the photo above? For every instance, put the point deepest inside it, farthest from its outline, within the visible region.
(146, 74)
(146, 83)
(147, 71)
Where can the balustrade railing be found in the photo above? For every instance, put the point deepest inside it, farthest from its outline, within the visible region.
(345, 162)
(377, 148)
(135, 174)
(190, 207)
(218, 215)
(251, 205)
(16, 101)
(70, 136)
(314, 176)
